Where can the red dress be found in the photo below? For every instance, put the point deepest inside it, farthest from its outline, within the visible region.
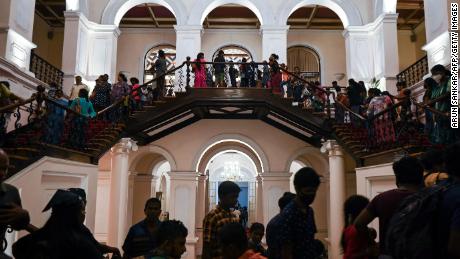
(200, 74)
(355, 243)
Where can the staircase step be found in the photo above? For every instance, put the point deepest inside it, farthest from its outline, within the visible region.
(28, 149)
(17, 157)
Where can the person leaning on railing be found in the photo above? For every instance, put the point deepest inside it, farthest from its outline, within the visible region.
(442, 133)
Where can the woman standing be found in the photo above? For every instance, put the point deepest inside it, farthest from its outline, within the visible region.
(275, 81)
(383, 125)
(356, 245)
(101, 95)
(200, 71)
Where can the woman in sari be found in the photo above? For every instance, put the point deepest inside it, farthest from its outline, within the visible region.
(200, 71)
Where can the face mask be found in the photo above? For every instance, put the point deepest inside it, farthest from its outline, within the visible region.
(437, 78)
(308, 199)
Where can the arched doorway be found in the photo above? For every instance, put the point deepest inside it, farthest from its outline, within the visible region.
(235, 166)
(152, 56)
(234, 53)
(307, 60)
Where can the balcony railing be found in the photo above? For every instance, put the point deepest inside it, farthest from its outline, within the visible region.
(44, 71)
(415, 72)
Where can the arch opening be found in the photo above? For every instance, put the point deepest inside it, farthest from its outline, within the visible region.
(228, 12)
(238, 167)
(346, 10)
(117, 9)
(307, 60)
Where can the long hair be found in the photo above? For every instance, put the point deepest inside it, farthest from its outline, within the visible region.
(352, 208)
(198, 58)
(83, 93)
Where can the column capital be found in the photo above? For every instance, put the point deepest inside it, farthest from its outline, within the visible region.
(259, 178)
(202, 178)
(274, 29)
(332, 147)
(188, 29)
(276, 176)
(183, 175)
(124, 146)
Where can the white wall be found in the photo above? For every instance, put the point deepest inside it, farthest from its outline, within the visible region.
(372, 180)
(212, 40)
(330, 46)
(39, 181)
(133, 44)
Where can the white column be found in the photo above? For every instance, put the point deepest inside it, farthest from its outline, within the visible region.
(274, 40)
(200, 209)
(372, 51)
(16, 28)
(119, 188)
(275, 184)
(188, 42)
(259, 199)
(182, 205)
(201, 199)
(386, 52)
(90, 49)
(336, 196)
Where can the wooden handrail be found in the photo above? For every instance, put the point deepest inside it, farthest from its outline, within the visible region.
(166, 73)
(63, 106)
(359, 116)
(106, 109)
(18, 104)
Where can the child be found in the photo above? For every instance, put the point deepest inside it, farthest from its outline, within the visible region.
(171, 236)
(144, 95)
(234, 243)
(256, 233)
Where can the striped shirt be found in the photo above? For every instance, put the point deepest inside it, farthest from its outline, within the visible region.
(212, 224)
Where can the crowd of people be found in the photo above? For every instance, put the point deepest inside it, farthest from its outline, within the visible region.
(418, 219)
(383, 112)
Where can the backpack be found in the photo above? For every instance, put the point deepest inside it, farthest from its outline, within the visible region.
(412, 232)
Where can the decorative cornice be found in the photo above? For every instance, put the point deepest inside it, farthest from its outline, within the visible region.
(183, 175)
(89, 25)
(371, 27)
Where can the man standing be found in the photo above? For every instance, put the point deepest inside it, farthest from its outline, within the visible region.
(213, 222)
(297, 226)
(77, 87)
(11, 213)
(142, 237)
(219, 69)
(409, 179)
(160, 72)
(273, 227)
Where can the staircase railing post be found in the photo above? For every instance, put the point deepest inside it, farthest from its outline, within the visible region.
(328, 102)
(187, 84)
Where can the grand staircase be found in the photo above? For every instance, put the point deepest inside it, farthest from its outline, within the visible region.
(25, 144)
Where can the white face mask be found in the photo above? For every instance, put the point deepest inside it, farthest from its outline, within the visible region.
(437, 78)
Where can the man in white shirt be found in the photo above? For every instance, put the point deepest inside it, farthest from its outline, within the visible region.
(77, 87)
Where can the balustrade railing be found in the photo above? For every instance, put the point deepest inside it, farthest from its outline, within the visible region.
(46, 121)
(415, 72)
(45, 71)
